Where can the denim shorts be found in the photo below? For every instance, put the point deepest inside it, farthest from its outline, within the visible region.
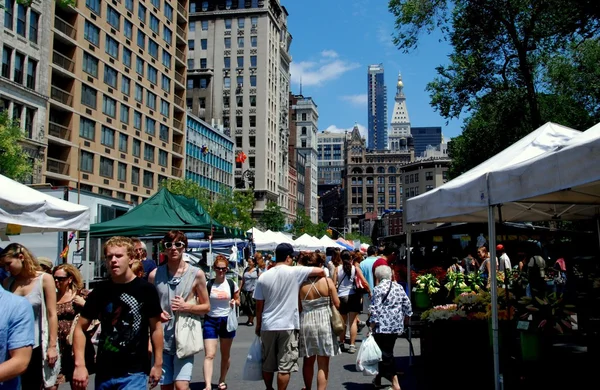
(175, 369)
(216, 327)
(135, 381)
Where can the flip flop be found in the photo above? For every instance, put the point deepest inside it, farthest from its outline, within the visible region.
(222, 386)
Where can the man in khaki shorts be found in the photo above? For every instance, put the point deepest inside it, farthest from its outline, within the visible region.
(277, 320)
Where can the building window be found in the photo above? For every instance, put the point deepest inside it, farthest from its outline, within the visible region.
(167, 35)
(151, 100)
(123, 138)
(253, 41)
(166, 59)
(303, 116)
(152, 74)
(252, 162)
(141, 13)
(107, 137)
(203, 43)
(19, 68)
(122, 172)
(252, 141)
(240, 81)
(204, 25)
(227, 82)
(125, 85)
(139, 66)
(227, 62)
(254, 21)
(227, 43)
(138, 93)
(90, 64)
(114, 18)
(240, 62)
(303, 130)
(203, 83)
(239, 101)
(6, 58)
(110, 76)
(106, 167)
(136, 148)
(91, 33)
(150, 126)
(94, 6)
(239, 121)
(428, 176)
(127, 57)
(252, 120)
(129, 5)
(109, 106)
(154, 24)
(124, 114)
(128, 29)
(428, 187)
(240, 42)
(8, 13)
(135, 176)
(162, 158)
(191, 44)
(153, 48)
(164, 133)
(149, 153)
(34, 19)
(21, 20)
(87, 128)
(148, 179)
(204, 6)
(164, 107)
(169, 12)
(31, 72)
(203, 63)
(190, 83)
(241, 22)
(239, 142)
(226, 102)
(88, 96)
(253, 81)
(86, 161)
(253, 61)
(252, 100)
(141, 40)
(227, 24)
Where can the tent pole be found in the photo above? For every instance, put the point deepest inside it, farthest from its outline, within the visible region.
(598, 230)
(494, 294)
(409, 289)
(87, 260)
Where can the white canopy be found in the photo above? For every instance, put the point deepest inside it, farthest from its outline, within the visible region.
(37, 212)
(328, 242)
(265, 241)
(307, 242)
(562, 183)
(465, 198)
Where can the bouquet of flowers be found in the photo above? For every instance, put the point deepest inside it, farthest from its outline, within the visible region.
(428, 283)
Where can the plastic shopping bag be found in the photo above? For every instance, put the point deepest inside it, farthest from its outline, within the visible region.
(368, 356)
(232, 321)
(253, 365)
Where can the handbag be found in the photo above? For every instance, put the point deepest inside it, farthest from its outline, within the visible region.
(188, 333)
(337, 322)
(49, 373)
(232, 321)
(360, 285)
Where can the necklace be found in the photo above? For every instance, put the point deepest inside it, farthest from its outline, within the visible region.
(175, 279)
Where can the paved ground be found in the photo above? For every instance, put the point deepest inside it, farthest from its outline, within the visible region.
(342, 371)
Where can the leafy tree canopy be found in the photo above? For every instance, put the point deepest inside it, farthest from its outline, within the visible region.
(272, 217)
(14, 161)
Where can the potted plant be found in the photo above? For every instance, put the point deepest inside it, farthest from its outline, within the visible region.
(426, 285)
(475, 281)
(455, 281)
(546, 316)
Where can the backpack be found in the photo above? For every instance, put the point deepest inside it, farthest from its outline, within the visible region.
(212, 281)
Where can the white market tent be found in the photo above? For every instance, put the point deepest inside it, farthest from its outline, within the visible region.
(37, 212)
(265, 241)
(307, 242)
(467, 198)
(328, 242)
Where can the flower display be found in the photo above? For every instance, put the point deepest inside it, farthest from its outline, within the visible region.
(547, 314)
(427, 283)
(443, 312)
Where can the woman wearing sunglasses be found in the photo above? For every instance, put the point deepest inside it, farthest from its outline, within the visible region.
(224, 295)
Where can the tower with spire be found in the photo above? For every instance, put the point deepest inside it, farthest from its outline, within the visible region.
(399, 136)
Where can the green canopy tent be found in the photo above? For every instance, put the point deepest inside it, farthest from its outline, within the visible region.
(162, 212)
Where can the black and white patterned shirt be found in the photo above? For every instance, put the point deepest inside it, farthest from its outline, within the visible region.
(388, 316)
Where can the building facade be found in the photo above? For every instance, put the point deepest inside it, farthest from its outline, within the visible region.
(377, 108)
(398, 137)
(421, 176)
(238, 75)
(301, 181)
(292, 207)
(209, 156)
(24, 77)
(372, 179)
(426, 136)
(331, 204)
(330, 154)
(117, 114)
(305, 114)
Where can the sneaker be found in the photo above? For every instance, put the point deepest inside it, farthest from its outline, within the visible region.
(352, 349)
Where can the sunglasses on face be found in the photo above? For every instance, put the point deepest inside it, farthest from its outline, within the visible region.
(60, 278)
(220, 268)
(178, 244)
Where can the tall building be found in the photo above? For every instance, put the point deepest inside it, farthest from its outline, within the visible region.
(400, 132)
(330, 154)
(377, 110)
(426, 136)
(24, 76)
(372, 179)
(117, 114)
(305, 114)
(238, 77)
(209, 156)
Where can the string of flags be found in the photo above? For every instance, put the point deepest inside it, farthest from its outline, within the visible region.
(65, 253)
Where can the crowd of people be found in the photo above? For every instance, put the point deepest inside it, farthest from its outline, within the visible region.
(49, 323)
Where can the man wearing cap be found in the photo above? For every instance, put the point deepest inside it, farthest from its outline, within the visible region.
(504, 261)
(277, 319)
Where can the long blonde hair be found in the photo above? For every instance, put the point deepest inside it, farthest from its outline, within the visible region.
(71, 271)
(30, 265)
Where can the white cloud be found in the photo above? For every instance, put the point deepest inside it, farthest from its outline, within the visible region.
(334, 129)
(359, 100)
(330, 54)
(330, 67)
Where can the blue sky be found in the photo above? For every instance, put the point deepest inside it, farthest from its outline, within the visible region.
(333, 43)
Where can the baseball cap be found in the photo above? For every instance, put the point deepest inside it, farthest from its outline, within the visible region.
(499, 247)
(283, 250)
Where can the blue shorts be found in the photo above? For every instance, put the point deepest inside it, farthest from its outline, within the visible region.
(175, 369)
(216, 327)
(135, 381)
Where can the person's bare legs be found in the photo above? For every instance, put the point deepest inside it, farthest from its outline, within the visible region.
(395, 383)
(268, 379)
(323, 374)
(210, 350)
(308, 371)
(353, 327)
(225, 358)
(343, 336)
(283, 379)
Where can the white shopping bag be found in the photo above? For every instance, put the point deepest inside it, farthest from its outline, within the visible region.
(253, 365)
(368, 356)
(232, 321)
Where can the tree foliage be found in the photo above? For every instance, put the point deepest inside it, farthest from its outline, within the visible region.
(357, 236)
(497, 72)
(14, 161)
(233, 209)
(272, 217)
(302, 224)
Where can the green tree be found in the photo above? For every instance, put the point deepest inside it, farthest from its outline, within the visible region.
(301, 224)
(14, 161)
(272, 218)
(357, 236)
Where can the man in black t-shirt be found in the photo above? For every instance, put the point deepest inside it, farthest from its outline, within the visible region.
(129, 311)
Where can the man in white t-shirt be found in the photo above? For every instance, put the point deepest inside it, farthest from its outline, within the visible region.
(504, 263)
(277, 319)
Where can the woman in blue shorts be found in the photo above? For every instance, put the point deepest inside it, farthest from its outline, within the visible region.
(224, 296)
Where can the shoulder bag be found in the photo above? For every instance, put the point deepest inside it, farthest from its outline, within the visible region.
(49, 373)
(188, 333)
(337, 322)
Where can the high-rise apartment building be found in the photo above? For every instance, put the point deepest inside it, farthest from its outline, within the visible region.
(116, 121)
(238, 77)
(400, 132)
(24, 88)
(305, 115)
(330, 154)
(377, 109)
(426, 136)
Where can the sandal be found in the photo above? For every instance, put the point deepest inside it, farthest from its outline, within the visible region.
(222, 386)
(375, 385)
(250, 323)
